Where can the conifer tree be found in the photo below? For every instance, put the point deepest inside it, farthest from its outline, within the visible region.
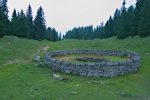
(52, 35)
(123, 23)
(19, 24)
(22, 25)
(116, 18)
(30, 27)
(144, 23)
(137, 16)
(109, 27)
(29, 14)
(130, 20)
(5, 20)
(2, 25)
(39, 25)
(14, 15)
(14, 23)
(99, 31)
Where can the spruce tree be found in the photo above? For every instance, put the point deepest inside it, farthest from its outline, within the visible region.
(30, 27)
(144, 23)
(29, 14)
(48, 34)
(109, 27)
(116, 22)
(4, 14)
(52, 35)
(137, 16)
(19, 24)
(39, 25)
(13, 24)
(99, 31)
(14, 15)
(2, 25)
(130, 19)
(123, 25)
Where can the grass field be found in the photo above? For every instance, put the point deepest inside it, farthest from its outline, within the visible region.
(20, 79)
(72, 58)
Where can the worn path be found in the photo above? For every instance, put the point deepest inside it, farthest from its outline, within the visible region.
(41, 50)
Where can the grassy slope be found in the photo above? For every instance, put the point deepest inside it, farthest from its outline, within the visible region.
(24, 81)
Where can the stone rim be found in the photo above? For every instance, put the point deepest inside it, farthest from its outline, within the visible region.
(109, 69)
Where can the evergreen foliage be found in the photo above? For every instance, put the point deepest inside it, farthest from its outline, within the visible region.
(39, 25)
(144, 23)
(125, 22)
(2, 25)
(137, 16)
(109, 27)
(23, 25)
(52, 35)
(130, 20)
(99, 31)
(4, 22)
(81, 33)
(30, 27)
(19, 25)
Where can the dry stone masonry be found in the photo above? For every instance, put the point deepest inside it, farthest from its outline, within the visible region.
(98, 68)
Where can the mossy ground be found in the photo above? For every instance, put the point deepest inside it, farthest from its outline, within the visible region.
(20, 79)
(72, 58)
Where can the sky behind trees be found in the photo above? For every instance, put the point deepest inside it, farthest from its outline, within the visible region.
(66, 14)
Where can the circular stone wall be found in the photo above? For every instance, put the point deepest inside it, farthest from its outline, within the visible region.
(94, 69)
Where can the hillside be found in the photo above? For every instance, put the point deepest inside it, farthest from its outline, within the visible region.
(20, 79)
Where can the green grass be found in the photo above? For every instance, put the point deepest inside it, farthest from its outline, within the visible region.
(20, 79)
(72, 58)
